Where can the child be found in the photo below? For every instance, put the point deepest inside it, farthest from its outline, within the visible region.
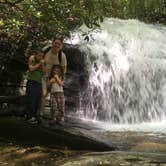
(57, 96)
(34, 86)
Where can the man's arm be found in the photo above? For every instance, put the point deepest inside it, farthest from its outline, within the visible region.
(64, 63)
(64, 69)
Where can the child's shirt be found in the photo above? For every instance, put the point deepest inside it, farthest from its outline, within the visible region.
(35, 75)
(55, 87)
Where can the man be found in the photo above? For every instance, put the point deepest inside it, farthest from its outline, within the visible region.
(54, 56)
(51, 57)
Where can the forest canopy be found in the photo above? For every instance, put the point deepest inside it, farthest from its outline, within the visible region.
(46, 18)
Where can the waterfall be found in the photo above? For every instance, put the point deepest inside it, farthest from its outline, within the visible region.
(126, 62)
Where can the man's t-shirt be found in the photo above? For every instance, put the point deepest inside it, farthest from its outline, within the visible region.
(52, 59)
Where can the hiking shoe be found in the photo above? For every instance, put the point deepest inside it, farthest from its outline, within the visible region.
(26, 117)
(32, 119)
(34, 122)
(52, 122)
(41, 114)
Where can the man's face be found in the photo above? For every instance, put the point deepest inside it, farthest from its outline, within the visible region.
(57, 45)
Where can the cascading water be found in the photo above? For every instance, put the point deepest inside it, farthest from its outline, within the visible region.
(126, 61)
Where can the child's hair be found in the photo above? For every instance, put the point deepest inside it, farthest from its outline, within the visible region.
(40, 52)
(52, 71)
(32, 52)
(35, 52)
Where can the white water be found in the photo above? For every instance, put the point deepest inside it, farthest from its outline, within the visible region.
(126, 61)
(155, 128)
(152, 128)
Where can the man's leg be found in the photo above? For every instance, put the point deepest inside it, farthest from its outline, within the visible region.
(43, 96)
(53, 109)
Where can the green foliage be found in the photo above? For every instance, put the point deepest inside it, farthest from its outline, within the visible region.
(31, 21)
(49, 17)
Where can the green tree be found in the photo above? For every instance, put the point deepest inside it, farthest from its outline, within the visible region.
(30, 21)
(23, 22)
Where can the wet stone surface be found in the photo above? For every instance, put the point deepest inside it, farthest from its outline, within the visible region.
(17, 155)
(118, 158)
(132, 149)
(138, 141)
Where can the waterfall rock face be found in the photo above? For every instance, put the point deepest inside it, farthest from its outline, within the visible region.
(76, 76)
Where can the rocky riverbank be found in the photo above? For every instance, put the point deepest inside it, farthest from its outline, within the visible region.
(23, 144)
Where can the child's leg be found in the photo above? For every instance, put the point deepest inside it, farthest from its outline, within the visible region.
(37, 99)
(32, 93)
(38, 102)
(61, 106)
(53, 106)
(29, 99)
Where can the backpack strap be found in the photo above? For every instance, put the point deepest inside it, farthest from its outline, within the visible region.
(60, 56)
(46, 50)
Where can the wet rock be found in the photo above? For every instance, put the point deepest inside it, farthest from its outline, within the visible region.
(117, 158)
(150, 147)
(19, 130)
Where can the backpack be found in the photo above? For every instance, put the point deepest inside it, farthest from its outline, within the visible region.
(59, 54)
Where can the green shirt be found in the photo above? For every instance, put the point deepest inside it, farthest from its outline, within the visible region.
(35, 75)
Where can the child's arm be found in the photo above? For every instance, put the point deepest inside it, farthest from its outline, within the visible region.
(31, 66)
(58, 80)
(51, 81)
(55, 79)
